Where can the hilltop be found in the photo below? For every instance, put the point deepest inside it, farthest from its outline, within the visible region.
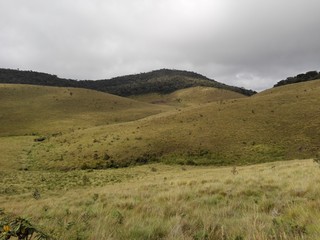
(302, 77)
(162, 81)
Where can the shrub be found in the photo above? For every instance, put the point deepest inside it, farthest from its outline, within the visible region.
(40, 139)
(106, 156)
(36, 194)
(21, 228)
(317, 158)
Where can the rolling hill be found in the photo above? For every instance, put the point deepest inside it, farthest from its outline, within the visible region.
(277, 124)
(27, 110)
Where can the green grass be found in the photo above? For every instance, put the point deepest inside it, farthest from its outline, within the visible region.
(268, 201)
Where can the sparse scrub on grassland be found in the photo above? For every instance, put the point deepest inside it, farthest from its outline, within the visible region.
(268, 201)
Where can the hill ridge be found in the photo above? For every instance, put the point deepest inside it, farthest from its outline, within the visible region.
(302, 77)
(157, 81)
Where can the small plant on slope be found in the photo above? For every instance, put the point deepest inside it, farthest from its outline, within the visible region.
(317, 159)
(19, 228)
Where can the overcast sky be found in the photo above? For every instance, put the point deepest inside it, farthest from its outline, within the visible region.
(247, 43)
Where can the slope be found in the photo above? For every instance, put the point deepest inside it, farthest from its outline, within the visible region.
(281, 123)
(27, 109)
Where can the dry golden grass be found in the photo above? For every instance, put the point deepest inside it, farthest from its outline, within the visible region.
(277, 200)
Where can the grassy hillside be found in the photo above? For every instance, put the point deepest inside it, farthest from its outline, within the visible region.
(267, 201)
(189, 96)
(281, 123)
(27, 109)
(159, 81)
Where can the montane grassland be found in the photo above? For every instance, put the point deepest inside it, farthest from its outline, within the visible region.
(200, 163)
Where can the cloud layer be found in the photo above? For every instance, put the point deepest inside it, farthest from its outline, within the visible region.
(246, 43)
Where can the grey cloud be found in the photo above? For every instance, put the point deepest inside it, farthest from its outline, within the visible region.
(247, 43)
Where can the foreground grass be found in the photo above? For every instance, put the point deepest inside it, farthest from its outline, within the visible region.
(277, 200)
